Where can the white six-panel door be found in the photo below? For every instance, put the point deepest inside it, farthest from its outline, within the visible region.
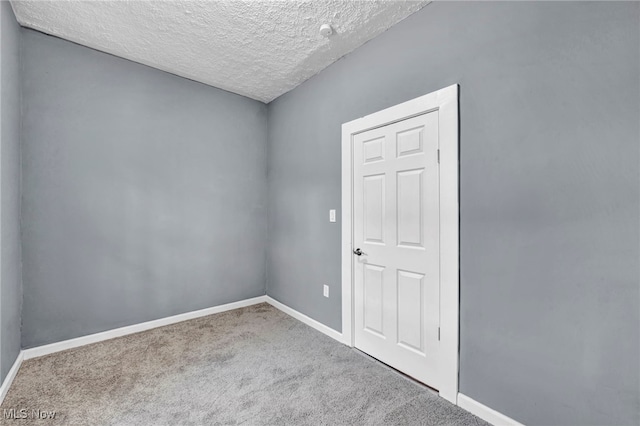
(396, 226)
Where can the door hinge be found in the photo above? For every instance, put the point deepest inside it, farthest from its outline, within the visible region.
(438, 334)
(438, 156)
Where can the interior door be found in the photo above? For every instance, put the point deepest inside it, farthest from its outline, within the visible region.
(396, 241)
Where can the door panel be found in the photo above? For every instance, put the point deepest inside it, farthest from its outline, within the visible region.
(396, 225)
(373, 299)
(410, 212)
(374, 208)
(373, 150)
(409, 141)
(410, 310)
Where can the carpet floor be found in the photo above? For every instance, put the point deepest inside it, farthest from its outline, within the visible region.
(253, 366)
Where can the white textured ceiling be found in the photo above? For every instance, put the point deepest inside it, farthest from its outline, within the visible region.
(260, 49)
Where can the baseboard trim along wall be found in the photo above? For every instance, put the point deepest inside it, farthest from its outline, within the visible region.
(474, 407)
(305, 319)
(485, 413)
(6, 384)
(136, 328)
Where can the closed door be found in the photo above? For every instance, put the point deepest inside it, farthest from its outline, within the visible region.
(396, 236)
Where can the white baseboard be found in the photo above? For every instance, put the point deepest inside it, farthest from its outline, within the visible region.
(474, 407)
(6, 384)
(305, 319)
(39, 351)
(136, 328)
(485, 413)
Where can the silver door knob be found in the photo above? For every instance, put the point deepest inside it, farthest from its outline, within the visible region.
(358, 252)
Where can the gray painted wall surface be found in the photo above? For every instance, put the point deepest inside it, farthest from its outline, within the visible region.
(10, 272)
(549, 190)
(143, 193)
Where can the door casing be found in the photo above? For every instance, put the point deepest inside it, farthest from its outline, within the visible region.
(446, 102)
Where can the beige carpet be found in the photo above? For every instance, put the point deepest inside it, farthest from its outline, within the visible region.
(251, 366)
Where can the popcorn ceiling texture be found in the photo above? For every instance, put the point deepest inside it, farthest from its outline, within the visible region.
(259, 49)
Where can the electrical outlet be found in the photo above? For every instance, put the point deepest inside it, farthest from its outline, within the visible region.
(332, 215)
(325, 291)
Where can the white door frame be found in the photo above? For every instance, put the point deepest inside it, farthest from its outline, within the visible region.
(446, 102)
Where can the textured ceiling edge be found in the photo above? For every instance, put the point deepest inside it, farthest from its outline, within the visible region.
(190, 77)
(140, 62)
(350, 52)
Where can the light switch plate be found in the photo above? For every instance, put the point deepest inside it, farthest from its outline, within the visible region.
(332, 215)
(325, 291)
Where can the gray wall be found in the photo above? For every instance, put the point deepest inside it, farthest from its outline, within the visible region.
(143, 193)
(10, 267)
(549, 190)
